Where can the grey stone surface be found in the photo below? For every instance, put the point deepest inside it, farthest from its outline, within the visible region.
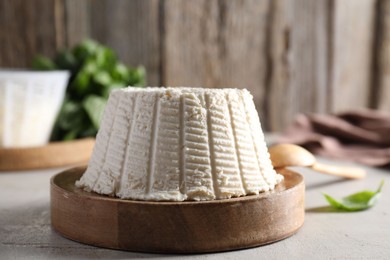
(25, 231)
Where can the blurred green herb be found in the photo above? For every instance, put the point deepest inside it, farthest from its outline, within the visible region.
(357, 201)
(95, 71)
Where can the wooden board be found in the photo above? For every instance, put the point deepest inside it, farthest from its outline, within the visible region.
(176, 227)
(55, 154)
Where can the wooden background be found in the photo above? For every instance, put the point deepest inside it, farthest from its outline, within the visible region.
(293, 55)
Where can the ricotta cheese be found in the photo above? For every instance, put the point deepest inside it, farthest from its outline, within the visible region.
(175, 144)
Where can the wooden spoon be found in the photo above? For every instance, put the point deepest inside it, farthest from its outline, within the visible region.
(284, 155)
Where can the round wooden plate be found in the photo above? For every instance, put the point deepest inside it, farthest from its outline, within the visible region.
(55, 154)
(176, 227)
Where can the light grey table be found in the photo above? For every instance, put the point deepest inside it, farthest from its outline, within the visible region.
(25, 231)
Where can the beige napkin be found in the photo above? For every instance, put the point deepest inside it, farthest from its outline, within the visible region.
(362, 136)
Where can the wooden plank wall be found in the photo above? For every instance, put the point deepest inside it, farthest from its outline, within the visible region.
(382, 57)
(293, 55)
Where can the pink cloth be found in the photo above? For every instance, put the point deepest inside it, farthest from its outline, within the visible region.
(362, 136)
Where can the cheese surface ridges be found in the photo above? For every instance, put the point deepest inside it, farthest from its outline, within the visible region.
(175, 144)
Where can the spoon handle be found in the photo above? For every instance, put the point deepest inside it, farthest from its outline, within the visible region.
(342, 171)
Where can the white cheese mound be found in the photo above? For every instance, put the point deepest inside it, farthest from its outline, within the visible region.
(175, 144)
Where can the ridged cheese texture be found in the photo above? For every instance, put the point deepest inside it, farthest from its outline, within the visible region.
(175, 144)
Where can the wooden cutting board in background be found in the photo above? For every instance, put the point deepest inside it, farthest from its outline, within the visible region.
(56, 154)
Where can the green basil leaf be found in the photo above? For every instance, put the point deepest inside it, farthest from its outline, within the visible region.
(80, 85)
(89, 67)
(88, 131)
(105, 57)
(94, 106)
(95, 71)
(71, 116)
(102, 78)
(42, 63)
(71, 135)
(137, 77)
(106, 91)
(85, 49)
(358, 201)
(66, 60)
(120, 72)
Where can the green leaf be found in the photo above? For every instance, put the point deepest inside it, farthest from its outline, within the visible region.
(80, 84)
(120, 72)
(94, 106)
(106, 91)
(42, 63)
(105, 57)
(89, 131)
(89, 67)
(95, 71)
(71, 135)
(102, 78)
(85, 49)
(357, 201)
(66, 60)
(137, 77)
(71, 116)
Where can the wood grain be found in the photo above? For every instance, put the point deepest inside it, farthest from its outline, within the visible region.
(56, 154)
(309, 56)
(383, 56)
(299, 54)
(290, 155)
(176, 227)
(78, 25)
(132, 29)
(216, 44)
(277, 99)
(28, 28)
(294, 56)
(352, 46)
